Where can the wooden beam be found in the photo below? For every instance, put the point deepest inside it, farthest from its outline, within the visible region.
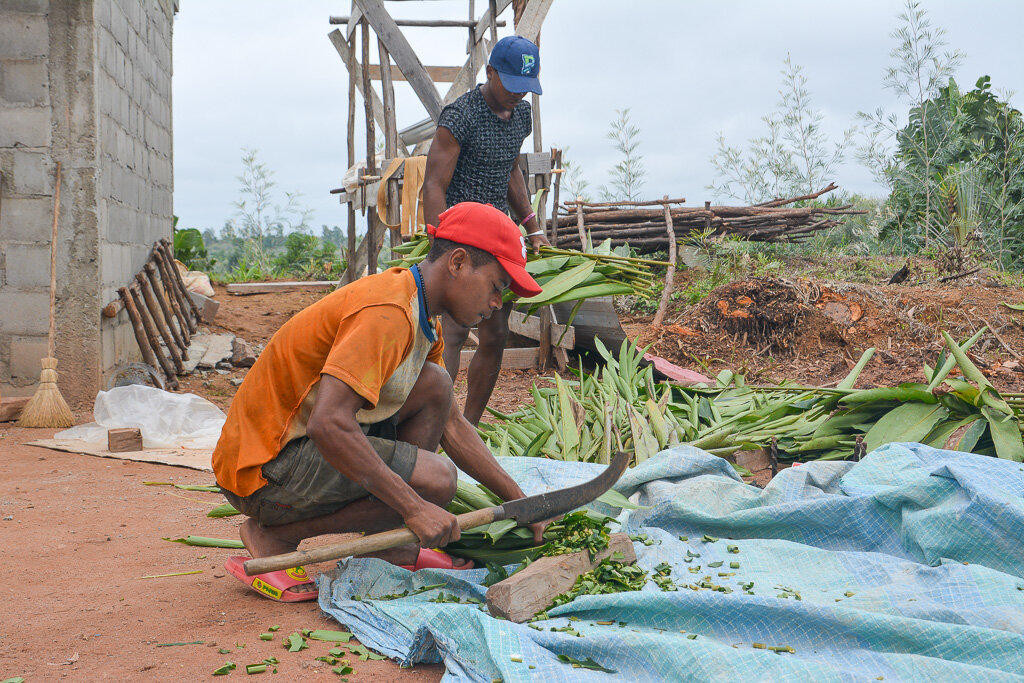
(11, 407)
(425, 23)
(439, 74)
(245, 288)
(356, 72)
(532, 19)
(484, 25)
(512, 359)
(353, 20)
(529, 326)
(532, 589)
(403, 54)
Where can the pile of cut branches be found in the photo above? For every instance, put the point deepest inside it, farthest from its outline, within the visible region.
(644, 229)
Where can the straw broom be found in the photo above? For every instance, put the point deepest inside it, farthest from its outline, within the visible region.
(47, 408)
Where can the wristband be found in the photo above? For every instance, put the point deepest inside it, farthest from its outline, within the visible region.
(526, 220)
(534, 234)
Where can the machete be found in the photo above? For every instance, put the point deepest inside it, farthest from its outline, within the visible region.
(524, 510)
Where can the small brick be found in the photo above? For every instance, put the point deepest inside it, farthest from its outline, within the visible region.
(25, 356)
(25, 81)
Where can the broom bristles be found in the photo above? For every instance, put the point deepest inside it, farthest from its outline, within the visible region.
(47, 408)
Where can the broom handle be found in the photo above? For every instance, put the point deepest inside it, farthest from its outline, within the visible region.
(53, 266)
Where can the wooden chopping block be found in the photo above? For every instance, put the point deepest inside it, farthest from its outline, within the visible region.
(530, 590)
(124, 440)
(10, 408)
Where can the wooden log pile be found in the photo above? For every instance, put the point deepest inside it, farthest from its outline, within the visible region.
(160, 310)
(642, 225)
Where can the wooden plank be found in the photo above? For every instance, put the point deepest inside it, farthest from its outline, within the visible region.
(529, 326)
(484, 24)
(532, 589)
(356, 72)
(596, 317)
(439, 74)
(124, 440)
(11, 407)
(422, 23)
(353, 20)
(403, 54)
(532, 19)
(245, 288)
(512, 359)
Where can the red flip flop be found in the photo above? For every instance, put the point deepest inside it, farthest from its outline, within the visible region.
(435, 559)
(273, 585)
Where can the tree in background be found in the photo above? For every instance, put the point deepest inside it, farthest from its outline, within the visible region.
(794, 156)
(920, 68)
(627, 176)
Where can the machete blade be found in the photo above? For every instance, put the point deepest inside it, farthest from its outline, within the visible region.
(556, 503)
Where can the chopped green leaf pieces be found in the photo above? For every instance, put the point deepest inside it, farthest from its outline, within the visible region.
(226, 669)
(587, 663)
(330, 636)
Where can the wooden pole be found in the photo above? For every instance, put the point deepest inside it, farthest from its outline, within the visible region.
(167, 274)
(140, 333)
(390, 141)
(350, 270)
(154, 343)
(159, 323)
(165, 308)
(579, 221)
(188, 305)
(670, 273)
(371, 147)
(556, 182)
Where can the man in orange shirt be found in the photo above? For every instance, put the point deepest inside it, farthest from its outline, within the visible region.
(335, 428)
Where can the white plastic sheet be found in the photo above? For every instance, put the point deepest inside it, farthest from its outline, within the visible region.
(166, 420)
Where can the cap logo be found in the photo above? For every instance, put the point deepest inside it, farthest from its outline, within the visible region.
(522, 243)
(528, 63)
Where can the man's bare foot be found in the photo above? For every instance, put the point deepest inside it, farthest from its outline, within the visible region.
(261, 542)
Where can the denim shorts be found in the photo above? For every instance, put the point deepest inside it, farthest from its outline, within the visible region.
(301, 484)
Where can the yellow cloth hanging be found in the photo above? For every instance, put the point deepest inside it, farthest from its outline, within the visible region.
(411, 216)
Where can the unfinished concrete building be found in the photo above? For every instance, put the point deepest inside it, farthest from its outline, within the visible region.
(86, 83)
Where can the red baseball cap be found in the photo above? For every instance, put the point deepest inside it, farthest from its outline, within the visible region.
(485, 227)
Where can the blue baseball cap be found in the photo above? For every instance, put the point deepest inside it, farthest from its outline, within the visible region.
(517, 62)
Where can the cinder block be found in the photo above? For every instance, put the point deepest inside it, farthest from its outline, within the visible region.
(27, 266)
(25, 81)
(26, 219)
(25, 356)
(23, 35)
(26, 6)
(24, 311)
(32, 173)
(25, 126)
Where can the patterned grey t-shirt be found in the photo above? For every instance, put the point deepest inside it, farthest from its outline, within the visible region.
(488, 145)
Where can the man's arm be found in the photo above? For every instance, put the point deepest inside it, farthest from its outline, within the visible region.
(333, 428)
(464, 446)
(519, 200)
(441, 160)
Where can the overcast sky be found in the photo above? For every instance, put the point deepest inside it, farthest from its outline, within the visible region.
(262, 74)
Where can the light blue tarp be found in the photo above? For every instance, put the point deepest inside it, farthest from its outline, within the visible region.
(929, 545)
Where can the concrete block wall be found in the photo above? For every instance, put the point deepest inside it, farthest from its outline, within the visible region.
(86, 82)
(133, 100)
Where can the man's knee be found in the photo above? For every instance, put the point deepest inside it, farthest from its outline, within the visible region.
(435, 478)
(437, 381)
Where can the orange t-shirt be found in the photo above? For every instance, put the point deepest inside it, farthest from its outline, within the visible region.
(367, 334)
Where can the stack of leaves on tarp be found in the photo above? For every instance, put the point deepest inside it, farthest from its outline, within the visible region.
(620, 407)
(563, 274)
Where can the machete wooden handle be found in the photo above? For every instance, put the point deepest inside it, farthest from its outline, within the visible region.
(359, 546)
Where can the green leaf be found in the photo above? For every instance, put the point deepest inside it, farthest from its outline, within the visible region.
(203, 542)
(971, 436)
(906, 422)
(224, 510)
(562, 283)
(331, 636)
(851, 379)
(226, 669)
(1016, 307)
(1005, 434)
(587, 663)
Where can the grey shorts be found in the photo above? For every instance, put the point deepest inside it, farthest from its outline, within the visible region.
(301, 484)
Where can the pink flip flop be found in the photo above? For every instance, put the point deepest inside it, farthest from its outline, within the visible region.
(435, 559)
(273, 585)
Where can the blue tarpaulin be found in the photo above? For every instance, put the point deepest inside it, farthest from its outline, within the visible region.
(908, 565)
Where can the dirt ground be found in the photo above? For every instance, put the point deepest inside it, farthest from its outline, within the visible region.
(81, 533)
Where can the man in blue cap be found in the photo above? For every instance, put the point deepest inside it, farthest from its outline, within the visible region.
(473, 158)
